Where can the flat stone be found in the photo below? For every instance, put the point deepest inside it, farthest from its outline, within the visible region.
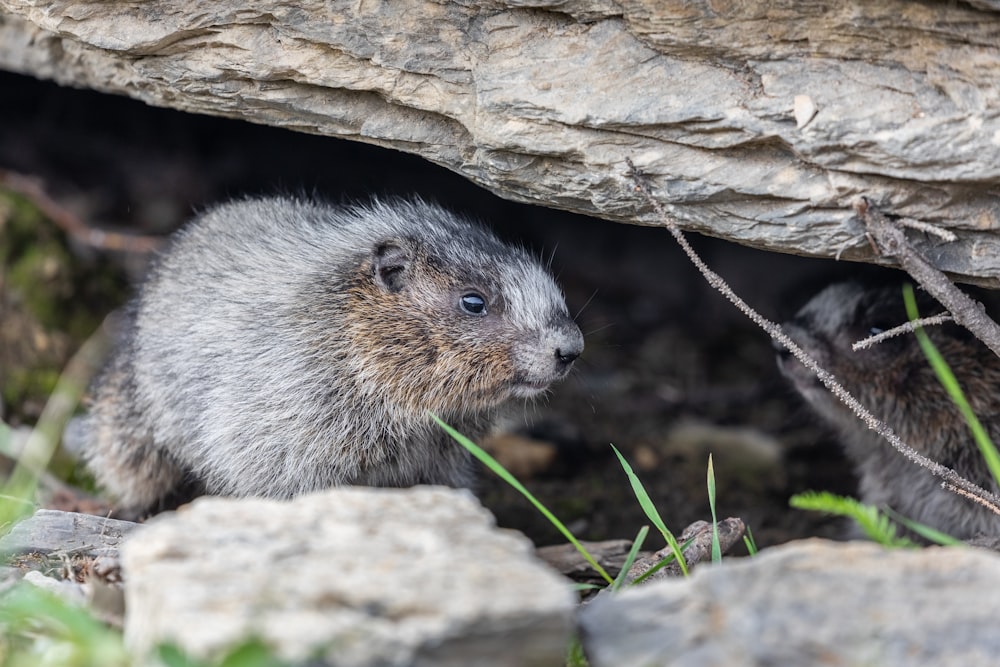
(808, 603)
(362, 576)
(65, 533)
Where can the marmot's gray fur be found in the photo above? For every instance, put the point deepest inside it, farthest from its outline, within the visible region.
(895, 381)
(281, 346)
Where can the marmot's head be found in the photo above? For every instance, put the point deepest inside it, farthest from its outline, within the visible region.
(444, 316)
(891, 377)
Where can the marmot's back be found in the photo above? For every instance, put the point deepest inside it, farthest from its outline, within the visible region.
(281, 346)
(895, 381)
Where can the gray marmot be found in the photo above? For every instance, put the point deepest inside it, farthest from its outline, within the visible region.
(281, 346)
(894, 380)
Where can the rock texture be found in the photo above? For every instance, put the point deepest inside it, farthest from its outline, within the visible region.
(808, 603)
(759, 122)
(363, 576)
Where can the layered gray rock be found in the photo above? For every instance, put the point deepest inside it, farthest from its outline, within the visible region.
(361, 576)
(759, 122)
(807, 603)
(65, 534)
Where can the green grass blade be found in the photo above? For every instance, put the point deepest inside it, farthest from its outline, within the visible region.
(951, 385)
(923, 530)
(502, 472)
(580, 586)
(660, 565)
(750, 543)
(653, 570)
(716, 547)
(650, 509)
(630, 558)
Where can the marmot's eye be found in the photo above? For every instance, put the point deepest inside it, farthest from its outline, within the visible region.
(473, 304)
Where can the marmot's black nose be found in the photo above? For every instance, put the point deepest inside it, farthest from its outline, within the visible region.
(569, 348)
(567, 339)
(568, 355)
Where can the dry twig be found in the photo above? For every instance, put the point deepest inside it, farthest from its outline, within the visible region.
(889, 239)
(951, 478)
(906, 327)
(928, 228)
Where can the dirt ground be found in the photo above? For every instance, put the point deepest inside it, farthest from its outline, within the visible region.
(671, 372)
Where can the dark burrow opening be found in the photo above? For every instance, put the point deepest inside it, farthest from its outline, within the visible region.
(671, 372)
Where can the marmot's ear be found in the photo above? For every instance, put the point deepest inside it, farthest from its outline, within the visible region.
(392, 264)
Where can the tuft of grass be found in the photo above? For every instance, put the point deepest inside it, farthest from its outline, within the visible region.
(40, 628)
(677, 552)
(951, 385)
(874, 523)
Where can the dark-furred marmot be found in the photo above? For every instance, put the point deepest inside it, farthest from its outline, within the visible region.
(895, 381)
(281, 346)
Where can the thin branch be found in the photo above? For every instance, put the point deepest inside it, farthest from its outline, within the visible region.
(906, 327)
(70, 223)
(928, 228)
(642, 186)
(965, 494)
(890, 240)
